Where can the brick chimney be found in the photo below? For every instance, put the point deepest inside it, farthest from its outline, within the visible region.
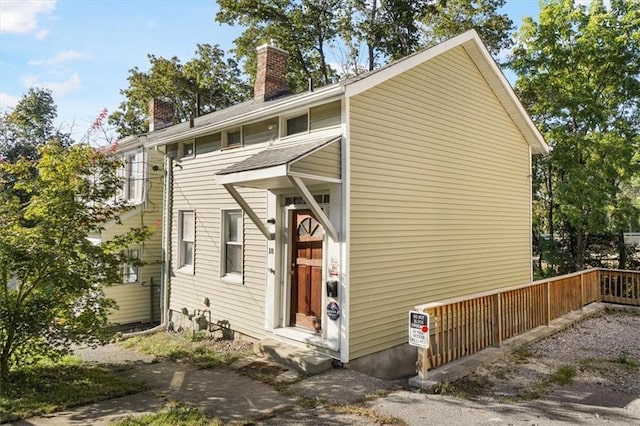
(271, 72)
(160, 114)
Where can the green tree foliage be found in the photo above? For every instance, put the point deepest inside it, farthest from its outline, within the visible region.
(208, 80)
(29, 125)
(384, 29)
(579, 74)
(360, 34)
(51, 275)
(449, 17)
(304, 28)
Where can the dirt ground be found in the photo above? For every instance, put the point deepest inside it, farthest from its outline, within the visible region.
(593, 362)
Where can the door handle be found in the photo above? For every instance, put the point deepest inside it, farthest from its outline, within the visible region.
(293, 269)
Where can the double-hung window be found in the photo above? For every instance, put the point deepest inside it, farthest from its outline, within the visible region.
(232, 245)
(187, 239)
(133, 176)
(130, 268)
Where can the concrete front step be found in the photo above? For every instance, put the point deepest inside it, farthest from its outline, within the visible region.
(305, 360)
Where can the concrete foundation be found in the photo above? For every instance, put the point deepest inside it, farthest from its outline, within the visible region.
(395, 363)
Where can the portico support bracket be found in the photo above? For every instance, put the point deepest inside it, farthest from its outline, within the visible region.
(249, 211)
(315, 208)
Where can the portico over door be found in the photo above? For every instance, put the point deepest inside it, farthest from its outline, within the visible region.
(316, 161)
(306, 271)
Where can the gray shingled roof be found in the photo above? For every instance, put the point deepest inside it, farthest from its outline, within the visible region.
(271, 157)
(225, 114)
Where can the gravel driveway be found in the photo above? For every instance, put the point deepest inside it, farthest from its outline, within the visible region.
(602, 351)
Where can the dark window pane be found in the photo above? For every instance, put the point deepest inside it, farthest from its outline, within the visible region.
(297, 124)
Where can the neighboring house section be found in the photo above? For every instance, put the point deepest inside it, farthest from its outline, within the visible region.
(320, 219)
(138, 297)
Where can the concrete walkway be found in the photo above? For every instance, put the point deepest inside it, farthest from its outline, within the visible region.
(336, 397)
(222, 393)
(347, 398)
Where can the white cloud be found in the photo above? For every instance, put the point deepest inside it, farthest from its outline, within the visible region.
(66, 55)
(8, 101)
(40, 35)
(20, 16)
(59, 88)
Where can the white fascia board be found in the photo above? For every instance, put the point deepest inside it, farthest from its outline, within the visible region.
(130, 143)
(298, 102)
(314, 177)
(251, 175)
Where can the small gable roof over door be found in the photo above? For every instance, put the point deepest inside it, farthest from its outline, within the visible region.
(294, 166)
(315, 160)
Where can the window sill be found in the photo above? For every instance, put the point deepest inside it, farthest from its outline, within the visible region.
(186, 270)
(232, 279)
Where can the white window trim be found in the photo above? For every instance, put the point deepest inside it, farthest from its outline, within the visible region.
(224, 140)
(138, 175)
(285, 117)
(128, 253)
(181, 147)
(231, 278)
(186, 268)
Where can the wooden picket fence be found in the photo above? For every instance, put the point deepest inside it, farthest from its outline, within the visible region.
(465, 325)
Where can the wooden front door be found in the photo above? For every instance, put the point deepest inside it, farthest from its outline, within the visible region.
(306, 268)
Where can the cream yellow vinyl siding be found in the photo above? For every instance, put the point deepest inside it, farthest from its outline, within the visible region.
(439, 190)
(325, 163)
(326, 115)
(135, 299)
(262, 131)
(194, 189)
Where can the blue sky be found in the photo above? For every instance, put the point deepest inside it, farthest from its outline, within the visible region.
(83, 49)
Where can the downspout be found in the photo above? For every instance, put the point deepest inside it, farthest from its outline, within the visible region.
(167, 214)
(166, 256)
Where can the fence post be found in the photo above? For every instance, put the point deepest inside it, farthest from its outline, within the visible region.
(497, 320)
(599, 293)
(582, 302)
(548, 291)
(424, 363)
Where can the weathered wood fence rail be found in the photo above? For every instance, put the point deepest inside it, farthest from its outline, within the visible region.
(465, 325)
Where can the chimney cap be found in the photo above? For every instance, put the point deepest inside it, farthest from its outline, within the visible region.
(272, 44)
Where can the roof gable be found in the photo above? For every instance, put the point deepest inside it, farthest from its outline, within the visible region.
(490, 71)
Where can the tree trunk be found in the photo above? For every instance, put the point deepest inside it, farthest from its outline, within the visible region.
(4, 368)
(371, 43)
(550, 201)
(580, 249)
(323, 61)
(622, 251)
(4, 358)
